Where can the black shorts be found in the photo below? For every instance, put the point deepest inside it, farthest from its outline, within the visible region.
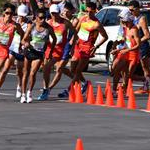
(32, 54)
(17, 56)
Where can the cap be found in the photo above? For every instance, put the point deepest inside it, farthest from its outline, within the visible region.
(127, 17)
(54, 8)
(23, 10)
(123, 13)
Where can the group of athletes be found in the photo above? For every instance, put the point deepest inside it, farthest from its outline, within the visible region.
(50, 42)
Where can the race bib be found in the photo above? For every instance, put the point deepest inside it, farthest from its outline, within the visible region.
(4, 38)
(37, 43)
(16, 39)
(83, 34)
(59, 38)
(128, 43)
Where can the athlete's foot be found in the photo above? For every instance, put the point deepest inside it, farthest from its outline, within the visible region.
(23, 99)
(29, 97)
(63, 94)
(18, 92)
(44, 95)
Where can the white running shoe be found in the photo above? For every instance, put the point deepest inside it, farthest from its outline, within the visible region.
(18, 92)
(23, 99)
(29, 97)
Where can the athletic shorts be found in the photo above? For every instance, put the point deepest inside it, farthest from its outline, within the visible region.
(81, 52)
(32, 54)
(66, 52)
(57, 53)
(17, 56)
(121, 56)
(4, 52)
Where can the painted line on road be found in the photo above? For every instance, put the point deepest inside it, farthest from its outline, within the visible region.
(6, 94)
(13, 74)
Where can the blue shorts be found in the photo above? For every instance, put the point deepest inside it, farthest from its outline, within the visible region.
(66, 51)
(17, 56)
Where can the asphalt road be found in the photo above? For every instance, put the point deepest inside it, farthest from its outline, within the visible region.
(56, 124)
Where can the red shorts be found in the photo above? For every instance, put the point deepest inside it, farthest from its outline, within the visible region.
(4, 53)
(57, 52)
(82, 51)
(122, 56)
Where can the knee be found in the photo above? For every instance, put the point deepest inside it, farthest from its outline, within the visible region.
(32, 74)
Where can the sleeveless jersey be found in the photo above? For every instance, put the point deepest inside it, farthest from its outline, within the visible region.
(6, 33)
(61, 35)
(87, 33)
(39, 39)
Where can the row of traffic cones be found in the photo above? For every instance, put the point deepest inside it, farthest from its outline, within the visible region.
(75, 96)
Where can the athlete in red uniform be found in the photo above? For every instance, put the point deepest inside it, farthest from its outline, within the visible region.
(7, 29)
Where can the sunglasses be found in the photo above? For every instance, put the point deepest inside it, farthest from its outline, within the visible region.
(8, 13)
(41, 17)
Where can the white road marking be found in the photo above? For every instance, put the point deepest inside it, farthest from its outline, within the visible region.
(6, 94)
(13, 74)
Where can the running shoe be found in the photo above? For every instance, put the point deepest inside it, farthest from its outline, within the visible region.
(44, 95)
(18, 92)
(84, 87)
(23, 99)
(63, 94)
(29, 97)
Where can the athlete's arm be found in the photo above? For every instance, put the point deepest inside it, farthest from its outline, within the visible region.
(135, 35)
(143, 24)
(25, 40)
(52, 34)
(75, 22)
(71, 28)
(19, 30)
(103, 33)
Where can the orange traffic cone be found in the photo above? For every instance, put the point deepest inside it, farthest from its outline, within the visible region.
(87, 91)
(99, 97)
(148, 104)
(79, 145)
(131, 101)
(120, 99)
(71, 94)
(79, 96)
(76, 86)
(108, 84)
(90, 98)
(109, 99)
(129, 87)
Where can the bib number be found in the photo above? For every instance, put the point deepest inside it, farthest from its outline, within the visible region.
(83, 34)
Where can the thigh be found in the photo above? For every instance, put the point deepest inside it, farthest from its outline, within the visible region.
(74, 65)
(9, 61)
(145, 62)
(19, 64)
(2, 61)
(26, 65)
(121, 66)
(82, 64)
(132, 67)
(61, 63)
(35, 65)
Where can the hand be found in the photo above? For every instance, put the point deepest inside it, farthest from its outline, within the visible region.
(26, 45)
(93, 49)
(113, 52)
(124, 51)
